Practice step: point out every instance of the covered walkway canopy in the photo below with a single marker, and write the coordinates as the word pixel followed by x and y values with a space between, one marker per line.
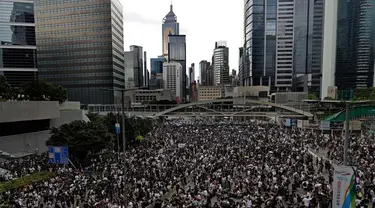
pixel 354 113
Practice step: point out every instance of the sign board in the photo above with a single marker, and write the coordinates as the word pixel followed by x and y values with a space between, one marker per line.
pixel 300 124
pixel 325 125
pixel 332 92
pixel 117 128
pixel 293 122
pixel 355 125
pixel 287 122
pixel 337 125
pixel 58 155
pixel 344 183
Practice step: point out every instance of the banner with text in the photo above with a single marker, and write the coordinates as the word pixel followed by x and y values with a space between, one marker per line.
pixel 344 193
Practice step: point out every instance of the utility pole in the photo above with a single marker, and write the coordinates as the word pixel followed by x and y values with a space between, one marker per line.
pixel 123 141
pixel 346 141
pixel 123 131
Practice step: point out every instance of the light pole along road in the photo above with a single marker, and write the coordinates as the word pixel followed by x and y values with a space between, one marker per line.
pixel 123 128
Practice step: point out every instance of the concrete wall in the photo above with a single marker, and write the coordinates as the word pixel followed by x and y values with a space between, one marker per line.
pixel 25 143
pixel 12 111
pixel 67 116
pixel 70 105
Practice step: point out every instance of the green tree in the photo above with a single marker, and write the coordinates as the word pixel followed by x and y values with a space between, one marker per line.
pixel 5 89
pixel 364 94
pixel 82 138
pixel 312 96
pixel 42 90
pixel 58 93
pixel 134 126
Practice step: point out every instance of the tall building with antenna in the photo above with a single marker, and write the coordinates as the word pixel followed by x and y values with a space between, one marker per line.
pixel 170 27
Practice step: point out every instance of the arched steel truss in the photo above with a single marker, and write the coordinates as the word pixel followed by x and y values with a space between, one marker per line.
pixel 201 104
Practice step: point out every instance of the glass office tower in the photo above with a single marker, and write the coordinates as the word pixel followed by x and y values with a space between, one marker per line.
pixel 18 61
pixel 259 53
pixel 355 44
pixel 170 27
pixel 80 46
pixel 157 65
pixel 177 53
pixel 349 42
pixel 221 63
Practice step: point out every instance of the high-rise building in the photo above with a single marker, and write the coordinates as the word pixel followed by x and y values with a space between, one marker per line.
pixel 133 67
pixel 157 65
pixel 259 52
pixel 18 60
pixel 282 41
pixel 192 73
pixel 221 63
pixel 172 78
pixel 308 36
pixel 170 27
pixel 80 46
pixel 146 75
pixel 203 72
pixel 349 42
pixel 177 53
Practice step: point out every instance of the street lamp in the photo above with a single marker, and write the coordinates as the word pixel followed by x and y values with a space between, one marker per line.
pixel 123 126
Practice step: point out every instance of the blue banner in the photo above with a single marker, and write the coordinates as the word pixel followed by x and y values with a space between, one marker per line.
pixel 58 155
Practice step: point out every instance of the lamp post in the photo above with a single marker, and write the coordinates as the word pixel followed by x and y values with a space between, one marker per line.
pixel 123 128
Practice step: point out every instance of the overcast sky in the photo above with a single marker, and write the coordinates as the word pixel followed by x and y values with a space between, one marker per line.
pixel 202 21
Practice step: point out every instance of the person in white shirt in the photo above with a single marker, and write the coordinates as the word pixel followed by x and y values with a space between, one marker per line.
pixel 306 200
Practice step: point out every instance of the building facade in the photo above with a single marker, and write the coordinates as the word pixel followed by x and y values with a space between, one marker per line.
pixel 221 63
pixel 203 72
pixel 170 27
pixel 134 67
pixel 307 48
pixel 80 46
pixel 209 92
pixel 191 73
pixel 283 40
pixel 157 65
pixel 149 96
pixel 172 78
pixel 18 57
pixel 349 41
pixel 177 53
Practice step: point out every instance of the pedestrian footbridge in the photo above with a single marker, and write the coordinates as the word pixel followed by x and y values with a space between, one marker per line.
pixel 216 108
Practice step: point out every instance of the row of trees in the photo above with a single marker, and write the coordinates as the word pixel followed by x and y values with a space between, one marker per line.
pixel 87 138
pixel 37 90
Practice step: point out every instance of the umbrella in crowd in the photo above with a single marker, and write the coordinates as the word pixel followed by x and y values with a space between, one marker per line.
pixel 203 163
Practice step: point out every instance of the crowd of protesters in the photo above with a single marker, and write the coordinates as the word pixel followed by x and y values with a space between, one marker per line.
pixel 203 163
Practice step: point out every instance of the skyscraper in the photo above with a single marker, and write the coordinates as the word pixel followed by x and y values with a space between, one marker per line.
pixel 308 36
pixel 18 60
pixel 80 46
pixel 221 63
pixel 134 67
pixel 282 40
pixel 203 72
pixel 177 53
pixel 172 78
pixel 259 51
pixel 349 42
pixel 170 27
pixel 192 73
pixel 157 65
